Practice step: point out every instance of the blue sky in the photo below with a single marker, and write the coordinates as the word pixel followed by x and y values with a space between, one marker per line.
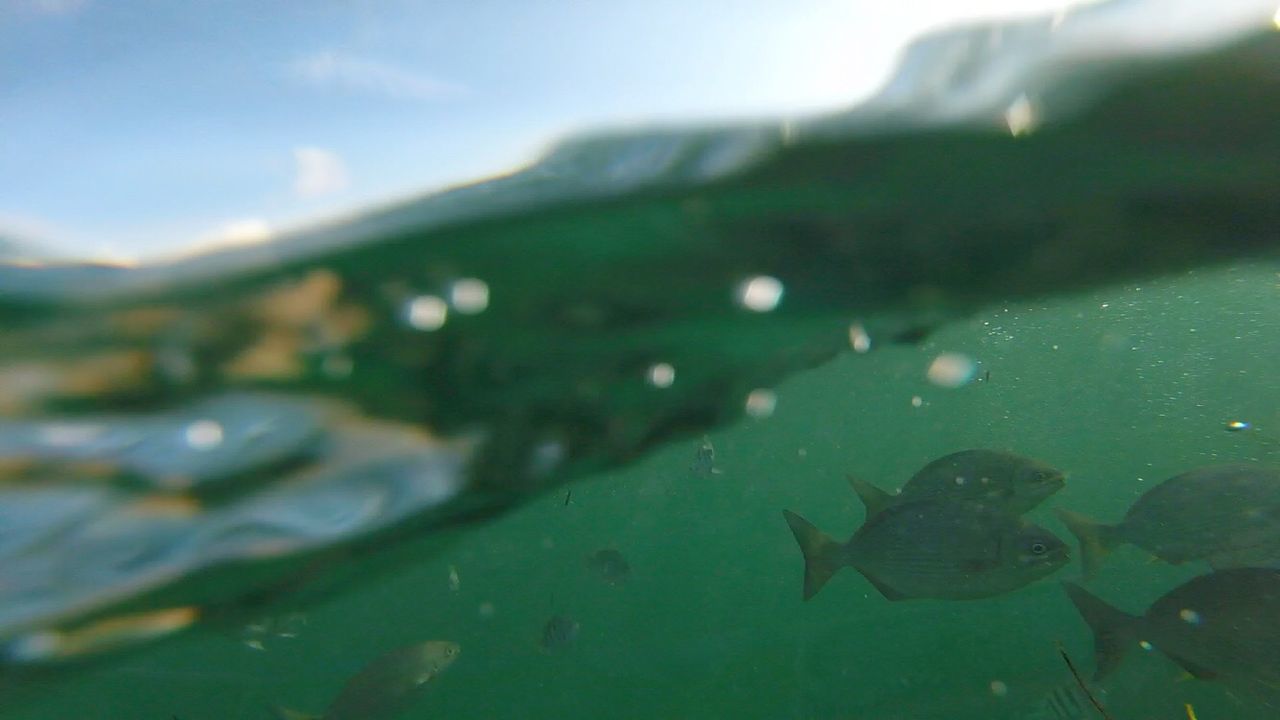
pixel 132 128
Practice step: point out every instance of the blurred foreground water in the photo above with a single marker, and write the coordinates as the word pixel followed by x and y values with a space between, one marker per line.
pixel 290 436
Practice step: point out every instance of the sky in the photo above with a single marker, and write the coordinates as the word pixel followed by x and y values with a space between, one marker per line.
pixel 132 129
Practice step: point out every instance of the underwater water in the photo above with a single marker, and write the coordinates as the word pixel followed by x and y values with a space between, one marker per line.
pixel 425 424
pixel 1121 388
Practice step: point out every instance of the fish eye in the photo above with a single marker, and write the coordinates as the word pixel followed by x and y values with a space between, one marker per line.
pixel 1038 548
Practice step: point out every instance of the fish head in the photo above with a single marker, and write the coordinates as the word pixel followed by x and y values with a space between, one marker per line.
pixel 1036 551
pixel 433 656
pixel 1035 481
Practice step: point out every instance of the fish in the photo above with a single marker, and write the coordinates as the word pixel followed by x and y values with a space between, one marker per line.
pixel 704 459
pixel 1064 702
pixel 610 565
pixel 1217 625
pixel 386 687
pixel 933 549
pixel 1009 481
pixel 1228 515
pixel 559 633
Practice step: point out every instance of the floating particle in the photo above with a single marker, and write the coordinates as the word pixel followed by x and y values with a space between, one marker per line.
pixel 485 610
pixel 917 401
pixel 426 312
pixel 1144 644
pixel 1238 425
pixel 1189 616
pixel 951 370
pixel 469 296
pixel 454 581
pixel 760 293
pixel 999 689
pixel 859 340
pixel 761 403
pixel 661 375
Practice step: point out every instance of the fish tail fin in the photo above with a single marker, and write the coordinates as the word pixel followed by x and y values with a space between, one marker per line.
pixel 1096 540
pixel 822 555
pixel 1114 631
pixel 873 498
pixel 284 713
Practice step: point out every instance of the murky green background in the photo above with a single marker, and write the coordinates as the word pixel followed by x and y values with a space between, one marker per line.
pixel 1122 388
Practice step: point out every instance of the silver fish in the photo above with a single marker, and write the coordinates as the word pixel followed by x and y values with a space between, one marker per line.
pixel 1004 480
pixel 386 687
pixel 559 633
pixel 610 565
pixel 934 549
pixel 1228 515
pixel 1218 625
pixel 704 459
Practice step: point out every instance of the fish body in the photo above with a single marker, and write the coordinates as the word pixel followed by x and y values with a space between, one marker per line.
pixel 1011 482
pixel 934 549
pixel 559 633
pixel 610 565
pixel 386 687
pixel 1222 624
pixel 1228 515
pixel 704 459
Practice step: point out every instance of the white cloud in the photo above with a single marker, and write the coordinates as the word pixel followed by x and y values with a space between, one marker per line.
pixel 346 72
pixel 320 172
pixel 248 231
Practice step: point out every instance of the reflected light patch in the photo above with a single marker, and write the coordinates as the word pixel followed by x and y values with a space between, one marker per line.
pixel 204 434
pixel 760 293
pixel 1020 116
pixel 951 370
pixel 859 340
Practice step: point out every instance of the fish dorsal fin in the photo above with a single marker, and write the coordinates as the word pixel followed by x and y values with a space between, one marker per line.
pixel 873 498
pixel 284 713
pixel 888 592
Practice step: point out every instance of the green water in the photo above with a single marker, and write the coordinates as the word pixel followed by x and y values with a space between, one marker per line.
pixel 1122 387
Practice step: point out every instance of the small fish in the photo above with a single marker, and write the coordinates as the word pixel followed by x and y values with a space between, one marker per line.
pixel 386 687
pixel 704 459
pixel 1006 481
pixel 933 549
pixel 559 633
pixel 610 566
pixel 1216 625
pixel 1228 515
pixel 113 633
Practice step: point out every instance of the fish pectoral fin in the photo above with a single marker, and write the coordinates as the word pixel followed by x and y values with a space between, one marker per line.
pixel 1196 671
pixel 888 592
